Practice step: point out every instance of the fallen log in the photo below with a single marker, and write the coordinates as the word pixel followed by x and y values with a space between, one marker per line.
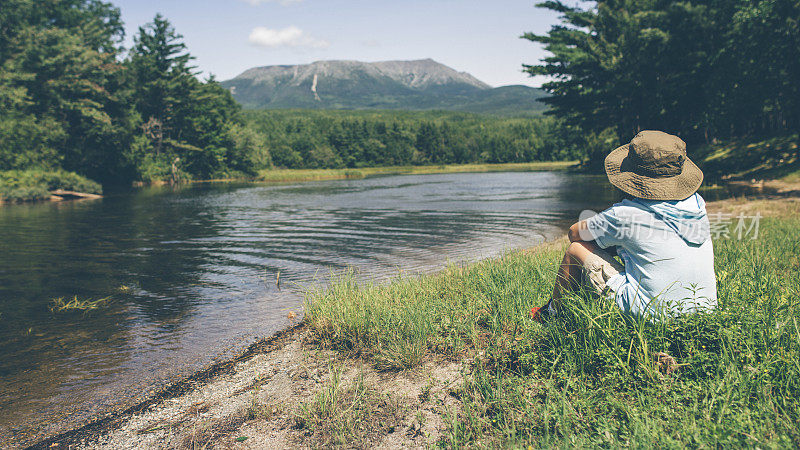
pixel 72 194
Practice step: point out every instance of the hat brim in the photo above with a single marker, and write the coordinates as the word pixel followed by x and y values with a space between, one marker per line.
pixel 620 171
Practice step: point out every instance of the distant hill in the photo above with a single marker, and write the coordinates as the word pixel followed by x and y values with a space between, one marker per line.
pixel 414 85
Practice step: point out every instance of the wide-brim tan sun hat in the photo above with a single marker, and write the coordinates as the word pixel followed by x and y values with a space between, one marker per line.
pixel 654 166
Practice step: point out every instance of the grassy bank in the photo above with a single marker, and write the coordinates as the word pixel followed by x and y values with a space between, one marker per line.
pixel 295 175
pixel 32 185
pixel 593 377
pixel 776 158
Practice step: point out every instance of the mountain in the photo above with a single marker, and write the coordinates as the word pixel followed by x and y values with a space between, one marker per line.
pixel 415 85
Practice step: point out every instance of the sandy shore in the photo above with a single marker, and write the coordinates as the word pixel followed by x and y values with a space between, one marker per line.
pixel 265 397
pixel 254 402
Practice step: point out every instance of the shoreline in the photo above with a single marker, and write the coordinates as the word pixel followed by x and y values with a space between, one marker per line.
pixel 53 185
pixel 93 433
pixel 172 390
pixel 304 175
pixel 56 196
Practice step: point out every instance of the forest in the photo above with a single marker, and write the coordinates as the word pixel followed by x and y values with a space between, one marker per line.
pixel 352 139
pixel 74 101
pixel 706 70
pixel 76 104
pixel 77 107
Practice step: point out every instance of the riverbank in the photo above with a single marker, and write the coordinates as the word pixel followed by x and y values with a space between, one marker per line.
pixel 18 186
pixel 35 185
pixel 770 163
pixel 452 358
pixel 297 175
pixel 302 175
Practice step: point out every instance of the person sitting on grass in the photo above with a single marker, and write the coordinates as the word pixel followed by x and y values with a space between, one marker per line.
pixel 660 232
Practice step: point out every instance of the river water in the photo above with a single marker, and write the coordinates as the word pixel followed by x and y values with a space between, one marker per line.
pixel 192 272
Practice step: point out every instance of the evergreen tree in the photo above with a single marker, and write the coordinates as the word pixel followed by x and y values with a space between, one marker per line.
pixel 160 72
pixel 187 122
pixel 702 69
pixel 62 87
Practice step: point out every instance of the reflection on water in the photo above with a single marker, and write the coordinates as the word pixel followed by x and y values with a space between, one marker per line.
pixel 192 271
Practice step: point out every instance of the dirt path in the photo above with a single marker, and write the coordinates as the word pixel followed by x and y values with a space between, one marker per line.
pixel 293 395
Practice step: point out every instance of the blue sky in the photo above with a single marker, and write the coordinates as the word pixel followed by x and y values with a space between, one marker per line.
pixel 230 36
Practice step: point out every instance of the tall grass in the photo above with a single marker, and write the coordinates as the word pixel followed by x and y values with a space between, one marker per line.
pixel 593 377
pixel 293 175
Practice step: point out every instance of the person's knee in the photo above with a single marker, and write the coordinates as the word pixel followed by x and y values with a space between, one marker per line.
pixel 576 248
pixel 580 251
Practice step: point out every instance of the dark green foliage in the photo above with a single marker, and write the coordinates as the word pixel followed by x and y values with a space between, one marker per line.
pixel 186 123
pixel 60 87
pixel 66 101
pixel 762 159
pixel 702 69
pixel 337 139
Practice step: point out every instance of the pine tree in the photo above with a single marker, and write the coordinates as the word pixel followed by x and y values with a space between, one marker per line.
pixel 161 75
pixel 187 122
pixel 702 69
pixel 63 87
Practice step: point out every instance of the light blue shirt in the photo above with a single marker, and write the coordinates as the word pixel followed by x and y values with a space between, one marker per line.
pixel 667 251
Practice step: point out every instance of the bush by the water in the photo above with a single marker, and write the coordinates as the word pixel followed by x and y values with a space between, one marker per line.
pixel 29 185
pixel 593 377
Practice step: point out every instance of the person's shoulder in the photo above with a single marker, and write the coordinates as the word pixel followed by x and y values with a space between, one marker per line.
pixel 626 207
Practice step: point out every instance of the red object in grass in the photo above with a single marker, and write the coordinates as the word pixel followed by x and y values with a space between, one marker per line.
pixel 535 314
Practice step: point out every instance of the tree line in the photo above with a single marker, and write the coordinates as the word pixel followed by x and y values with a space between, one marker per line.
pixel 73 98
pixel 351 139
pixel 702 69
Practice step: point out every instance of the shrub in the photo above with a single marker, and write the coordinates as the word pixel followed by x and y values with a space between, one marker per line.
pixel 35 184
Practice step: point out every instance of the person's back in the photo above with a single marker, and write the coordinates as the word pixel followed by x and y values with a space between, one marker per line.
pixel 661 233
pixel 667 253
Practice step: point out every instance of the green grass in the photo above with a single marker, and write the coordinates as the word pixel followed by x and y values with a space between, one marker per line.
pixel 31 185
pixel 338 416
pixel 592 377
pixel 62 304
pixel 295 175
pixel 792 177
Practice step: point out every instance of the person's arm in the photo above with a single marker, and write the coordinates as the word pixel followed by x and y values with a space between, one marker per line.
pixel 579 232
pixel 603 229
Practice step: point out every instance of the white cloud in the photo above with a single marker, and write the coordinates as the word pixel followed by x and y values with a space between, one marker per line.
pixel 284 37
pixel 282 2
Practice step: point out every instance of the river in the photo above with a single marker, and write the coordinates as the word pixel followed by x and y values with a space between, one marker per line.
pixel 192 272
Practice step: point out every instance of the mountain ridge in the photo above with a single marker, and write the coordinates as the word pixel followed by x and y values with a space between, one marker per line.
pixel 346 84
